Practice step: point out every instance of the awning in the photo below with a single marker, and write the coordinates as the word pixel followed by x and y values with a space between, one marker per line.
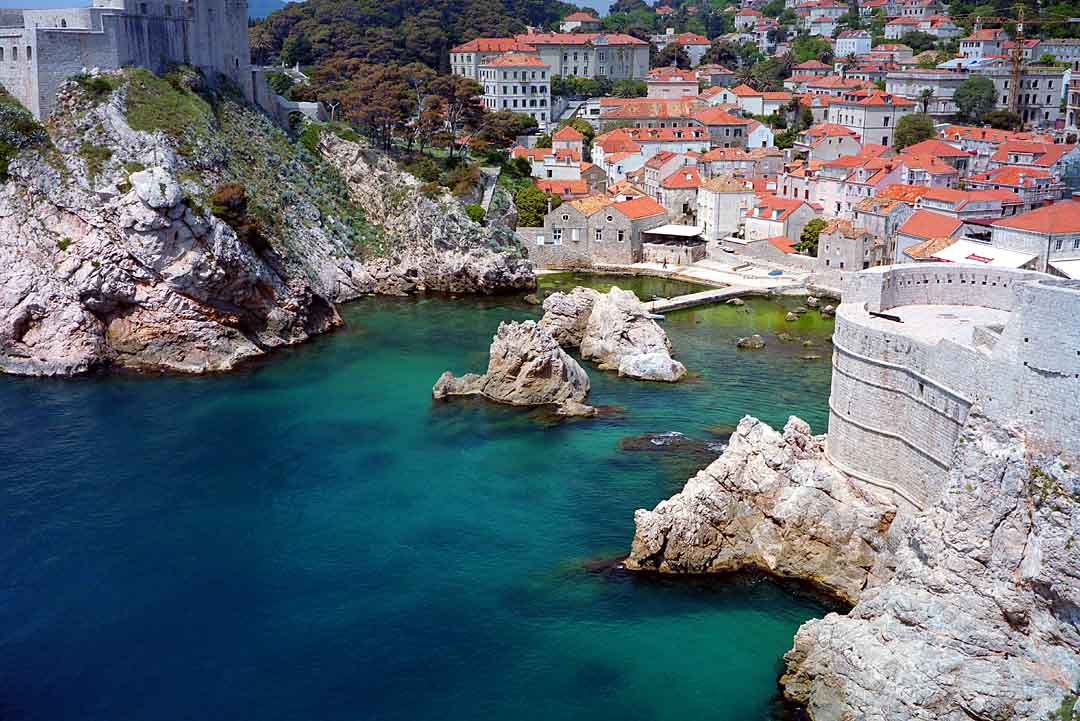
pixel 1068 268
pixel 968 252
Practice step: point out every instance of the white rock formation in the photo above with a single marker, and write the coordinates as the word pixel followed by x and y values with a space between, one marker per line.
pixel 567 314
pixel 619 330
pixel 770 502
pixel 526 367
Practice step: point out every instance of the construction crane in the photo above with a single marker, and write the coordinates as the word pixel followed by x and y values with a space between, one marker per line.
pixel 1016 53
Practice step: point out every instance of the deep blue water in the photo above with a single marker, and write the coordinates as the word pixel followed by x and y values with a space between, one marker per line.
pixel 312 538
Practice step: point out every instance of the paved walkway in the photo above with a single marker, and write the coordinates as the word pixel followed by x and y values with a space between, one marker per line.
pixel 705 297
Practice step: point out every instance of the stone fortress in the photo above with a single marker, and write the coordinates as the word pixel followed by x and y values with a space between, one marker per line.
pixel 39 49
pixel 1007 340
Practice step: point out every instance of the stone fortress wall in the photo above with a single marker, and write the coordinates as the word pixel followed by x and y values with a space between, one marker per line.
pixel 42 48
pixel 901 391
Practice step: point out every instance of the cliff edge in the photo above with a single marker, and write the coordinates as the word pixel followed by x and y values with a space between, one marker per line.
pixel 153 225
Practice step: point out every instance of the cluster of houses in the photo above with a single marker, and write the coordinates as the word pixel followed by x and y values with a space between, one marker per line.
pixel 692 168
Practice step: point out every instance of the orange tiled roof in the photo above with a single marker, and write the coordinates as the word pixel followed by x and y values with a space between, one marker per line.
pixel 563 188
pixel 783 243
pixel 580 17
pixel 642 207
pixel 928 224
pixel 567 133
pixel 682 179
pixel 937 149
pixel 493 45
pixel 1060 217
pixel 578 39
pixel 515 60
pixel 1011 175
pixel 717 116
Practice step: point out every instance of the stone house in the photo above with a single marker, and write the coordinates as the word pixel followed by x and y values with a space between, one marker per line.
pixel 1034 186
pixel 800 180
pixel 982 42
pixel 40 49
pixel 881 217
pixel 773 216
pixel 722 203
pixel 843 182
pixel 1060 160
pixel 550 163
pixel 567 138
pixel 660 166
pixel 595 230
pixel 714 75
pixel 679 194
pixel 746 19
pixel 1051 233
pixel 941 83
pixel 971 205
pixel 927 170
pixel 671 83
pixel 983 143
pixel 843 246
pixel 759 135
pixel 647 112
pixel 827 141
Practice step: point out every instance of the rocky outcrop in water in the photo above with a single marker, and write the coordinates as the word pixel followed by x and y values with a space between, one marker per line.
pixel 567 314
pixel 526 367
pixel 968 610
pixel 771 502
pixel 981 619
pixel 153 227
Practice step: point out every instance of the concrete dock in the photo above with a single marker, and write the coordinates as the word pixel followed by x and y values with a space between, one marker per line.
pixel 705 297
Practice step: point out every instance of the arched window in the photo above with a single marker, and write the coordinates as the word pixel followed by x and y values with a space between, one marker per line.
pixel 63 23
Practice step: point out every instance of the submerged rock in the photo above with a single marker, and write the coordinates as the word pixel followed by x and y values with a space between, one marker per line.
pixel 526 367
pixel 736 302
pixel 567 314
pixel 771 502
pixel 754 342
pixel 790 317
pixel 620 330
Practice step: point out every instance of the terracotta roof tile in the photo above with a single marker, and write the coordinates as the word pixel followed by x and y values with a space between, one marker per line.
pixel 643 207
pixel 927 224
pixel 1060 217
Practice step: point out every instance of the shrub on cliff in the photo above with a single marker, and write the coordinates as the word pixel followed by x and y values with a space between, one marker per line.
pixel 18 130
pixel 229 203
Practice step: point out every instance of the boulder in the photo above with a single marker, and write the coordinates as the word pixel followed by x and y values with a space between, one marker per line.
pixel 791 317
pixel 771 502
pixel 828 310
pixel 567 314
pixel 532 299
pixel 754 342
pixel 736 301
pixel 812 302
pixel 526 367
pixel 619 328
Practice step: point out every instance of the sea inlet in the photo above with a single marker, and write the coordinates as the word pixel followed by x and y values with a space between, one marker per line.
pixel 313 538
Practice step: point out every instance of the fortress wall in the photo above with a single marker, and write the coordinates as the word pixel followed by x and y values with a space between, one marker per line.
pixel 17 74
pixel 898 402
pixel 891 421
pixel 64 53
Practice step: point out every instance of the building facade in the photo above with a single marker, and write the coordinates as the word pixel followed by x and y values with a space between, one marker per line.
pixel 518 82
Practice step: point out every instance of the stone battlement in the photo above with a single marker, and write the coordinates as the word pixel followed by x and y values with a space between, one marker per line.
pixel 1008 340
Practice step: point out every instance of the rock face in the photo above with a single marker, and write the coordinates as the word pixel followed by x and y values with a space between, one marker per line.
pixel 431 242
pixel 567 314
pixel 526 367
pixel 770 502
pixel 968 610
pixel 981 619
pixel 114 252
pixel 619 331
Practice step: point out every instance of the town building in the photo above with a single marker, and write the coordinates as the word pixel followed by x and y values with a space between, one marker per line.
pixel 695 45
pixel 1060 159
pixel 594 230
pixel 827 141
pixel 921 226
pixel 713 75
pixel 43 48
pixel 466 59
pixel 774 216
pixel 982 43
pixel 723 202
pixel 518 82
pixel 648 112
pixel 579 21
pixel 871 115
pixel 881 217
pixel 983 143
pixel 671 83
pixel 850 42
pixel 843 246
pixel 1034 186
pixel 678 193
pixel 725 130
pixel 931 90
pixel 1050 233
pixel 615 56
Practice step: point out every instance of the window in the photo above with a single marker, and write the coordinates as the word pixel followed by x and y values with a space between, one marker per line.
pixel 168 10
pixel 142 8
pixel 63 23
pixel 1058 244
pixel 598 235
pixel 610 218
pixel 14 53
pixel 29 52
pixel 1 54
pixel 556 236
pixel 622 236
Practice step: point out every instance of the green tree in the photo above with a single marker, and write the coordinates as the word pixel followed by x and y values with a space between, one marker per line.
pixel 296 49
pixel 502 128
pixel 630 89
pixel 808 239
pixel 532 205
pixel 811 47
pixel 1002 120
pixel 974 98
pixel 672 54
pixel 918 41
pixel 912 129
pixel 785 139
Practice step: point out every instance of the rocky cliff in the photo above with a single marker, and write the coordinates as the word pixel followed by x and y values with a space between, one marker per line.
pixel 151 225
pixel 969 610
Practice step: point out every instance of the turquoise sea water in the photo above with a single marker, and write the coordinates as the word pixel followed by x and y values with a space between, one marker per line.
pixel 312 538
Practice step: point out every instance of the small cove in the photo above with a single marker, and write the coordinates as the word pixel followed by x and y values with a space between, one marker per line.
pixel 312 537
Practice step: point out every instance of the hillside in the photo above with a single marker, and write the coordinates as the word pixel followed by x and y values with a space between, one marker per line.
pixel 153 225
pixel 382 31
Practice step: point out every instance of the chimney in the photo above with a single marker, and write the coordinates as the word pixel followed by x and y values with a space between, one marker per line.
pixel 549 204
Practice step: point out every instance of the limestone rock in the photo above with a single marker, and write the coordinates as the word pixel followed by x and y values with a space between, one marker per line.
pixel 828 310
pixel 770 502
pixel 620 327
pixel 566 315
pixel 754 342
pixel 791 317
pixel 736 301
pixel 526 367
pixel 979 620
pixel 652 367
pixel 812 302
